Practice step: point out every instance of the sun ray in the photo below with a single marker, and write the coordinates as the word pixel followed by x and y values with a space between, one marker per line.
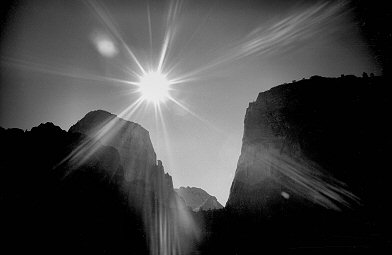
pixel 191 37
pixel 149 28
pixel 277 37
pixel 307 180
pixel 165 46
pixel 166 138
pixel 171 24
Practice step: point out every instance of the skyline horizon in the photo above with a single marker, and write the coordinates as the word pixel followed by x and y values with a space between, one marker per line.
pixel 175 185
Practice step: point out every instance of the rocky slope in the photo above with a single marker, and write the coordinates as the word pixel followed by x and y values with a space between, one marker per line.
pixel 316 142
pixel 198 199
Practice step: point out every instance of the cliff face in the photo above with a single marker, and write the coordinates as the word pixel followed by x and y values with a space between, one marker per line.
pixel 43 199
pixel 146 186
pixel 313 142
pixel 198 199
pixel 130 139
pixel 143 175
pixel 98 186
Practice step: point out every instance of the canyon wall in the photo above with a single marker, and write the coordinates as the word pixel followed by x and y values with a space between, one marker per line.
pixel 318 142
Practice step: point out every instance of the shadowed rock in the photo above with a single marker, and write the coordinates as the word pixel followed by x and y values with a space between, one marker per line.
pixel 96 189
pixel 316 141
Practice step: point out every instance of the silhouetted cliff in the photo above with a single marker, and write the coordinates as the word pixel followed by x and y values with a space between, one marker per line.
pixel 312 175
pixel 318 141
pixel 137 156
pixel 95 189
pixel 60 208
pixel 130 139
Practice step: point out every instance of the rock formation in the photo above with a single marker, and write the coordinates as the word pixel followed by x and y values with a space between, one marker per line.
pixel 130 139
pixel 315 142
pixel 198 199
pixel 147 187
pixel 98 188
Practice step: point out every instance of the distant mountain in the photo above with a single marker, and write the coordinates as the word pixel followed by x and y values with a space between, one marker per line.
pixel 198 199
pixel 210 203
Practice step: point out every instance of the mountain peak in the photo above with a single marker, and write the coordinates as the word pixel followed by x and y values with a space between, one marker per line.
pixel 198 199
pixel 130 139
pixel 99 117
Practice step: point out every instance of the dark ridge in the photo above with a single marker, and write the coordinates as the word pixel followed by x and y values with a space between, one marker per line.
pixel 99 117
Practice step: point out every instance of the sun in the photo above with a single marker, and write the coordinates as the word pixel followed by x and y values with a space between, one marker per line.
pixel 154 87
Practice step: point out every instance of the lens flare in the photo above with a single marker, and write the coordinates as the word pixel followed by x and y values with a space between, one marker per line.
pixel 105 44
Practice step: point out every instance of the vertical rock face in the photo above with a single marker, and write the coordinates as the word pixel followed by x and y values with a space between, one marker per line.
pixel 143 174
pixel 148 189
pixel 312 142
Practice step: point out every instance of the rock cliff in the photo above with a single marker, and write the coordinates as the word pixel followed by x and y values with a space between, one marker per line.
pixel 315 142
pixel 97 186
pixel 130 139
pixel 145 184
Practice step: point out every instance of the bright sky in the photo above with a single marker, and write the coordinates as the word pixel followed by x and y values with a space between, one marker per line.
pixel 62 59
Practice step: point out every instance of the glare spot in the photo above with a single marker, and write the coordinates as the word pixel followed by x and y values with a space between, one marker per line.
pixel 104 44
pixel 285 195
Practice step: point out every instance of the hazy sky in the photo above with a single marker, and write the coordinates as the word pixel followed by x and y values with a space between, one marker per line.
pixel 56 54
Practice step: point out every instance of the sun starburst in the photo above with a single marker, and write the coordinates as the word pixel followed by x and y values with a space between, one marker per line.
pixel 154 87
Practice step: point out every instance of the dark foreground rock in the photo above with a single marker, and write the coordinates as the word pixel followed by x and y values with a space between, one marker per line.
pixel 313 171
pixel 97 189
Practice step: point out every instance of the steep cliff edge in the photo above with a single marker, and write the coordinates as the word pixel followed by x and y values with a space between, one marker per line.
pixel 319 141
